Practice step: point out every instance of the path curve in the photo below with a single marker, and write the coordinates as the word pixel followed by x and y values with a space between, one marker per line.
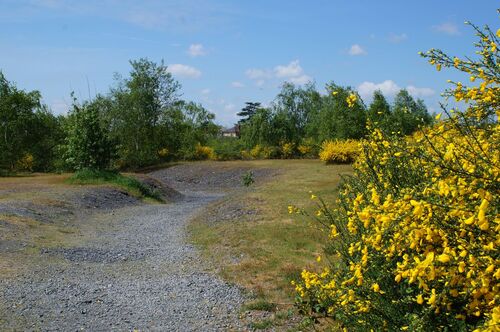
pixel 134 270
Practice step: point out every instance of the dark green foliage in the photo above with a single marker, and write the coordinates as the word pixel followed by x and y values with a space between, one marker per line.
pixel 408 114
pixel 248 111
pixel 87 144
pixel 227 148
pixel 132 185
pixel 141 104
pixel 300 113
pixel 26 128
pixel 379 112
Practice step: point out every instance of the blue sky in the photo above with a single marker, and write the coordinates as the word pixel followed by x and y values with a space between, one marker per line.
pixel 228 52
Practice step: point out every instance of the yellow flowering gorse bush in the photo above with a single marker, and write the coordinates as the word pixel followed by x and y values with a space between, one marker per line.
pixel 415 234
pixel 203 152
pixel 339 151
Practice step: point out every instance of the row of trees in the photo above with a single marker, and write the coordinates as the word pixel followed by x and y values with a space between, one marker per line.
pixel 300 113
pixel 141 121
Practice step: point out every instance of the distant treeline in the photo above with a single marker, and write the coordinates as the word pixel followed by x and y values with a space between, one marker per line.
pixel 143 121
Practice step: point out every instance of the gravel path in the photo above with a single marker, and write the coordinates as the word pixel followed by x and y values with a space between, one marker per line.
pixel 133 270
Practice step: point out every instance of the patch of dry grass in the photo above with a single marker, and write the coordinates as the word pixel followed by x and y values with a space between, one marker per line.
pixel 264 252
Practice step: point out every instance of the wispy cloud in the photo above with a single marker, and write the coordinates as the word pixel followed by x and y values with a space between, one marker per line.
pixel 196 50
pixel 397 38
pixel 447 28
pixel 293 69
pixel 237 84
pixel 191 15
pixel 183 70
pixel 356 49
pixel 255 73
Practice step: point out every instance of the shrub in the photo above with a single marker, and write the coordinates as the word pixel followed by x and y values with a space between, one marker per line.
pixel 287 149
pixel 132 185
pixel 255 152
pixel 227 148
pixel 307 148
pixel 204 152
pixel 163 153
pixel 26 162
pixel 339 151
pixel 248 179
pixel 261 152
pixel 413 241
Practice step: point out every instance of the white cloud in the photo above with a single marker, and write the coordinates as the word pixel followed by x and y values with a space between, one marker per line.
pixel 356 49
pixel 196 50
pixel 293 69
pixel 183 70
pixel 389 88
pixel 255 74
pixel 205 91
pixel 237 84
pixel 299 80
pixel 395 38
pixel 420 92
pixel 291 72
pixel 447 28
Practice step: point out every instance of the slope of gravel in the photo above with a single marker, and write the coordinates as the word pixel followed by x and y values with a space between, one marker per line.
pixel 133 270
pixel 211 177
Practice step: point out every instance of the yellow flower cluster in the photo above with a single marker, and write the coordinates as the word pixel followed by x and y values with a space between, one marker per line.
pixel 351 100
pixel 339 151
pixel 202 152
pixel 287 149
pixel 416 235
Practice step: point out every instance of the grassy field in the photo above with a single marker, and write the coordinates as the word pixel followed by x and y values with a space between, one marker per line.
pixel 264 251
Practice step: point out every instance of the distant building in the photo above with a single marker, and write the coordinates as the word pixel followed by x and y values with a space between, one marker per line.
pixel 231 132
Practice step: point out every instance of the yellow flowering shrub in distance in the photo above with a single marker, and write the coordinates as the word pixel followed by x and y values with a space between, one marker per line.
pixel 202 152
pixel 338 152
pixel 307 148
pixel 26 162
pixel 163 153
pixel 287 149
pixel 415 235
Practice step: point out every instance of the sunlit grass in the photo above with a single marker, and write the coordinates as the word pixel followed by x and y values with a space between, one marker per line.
pixel 265 253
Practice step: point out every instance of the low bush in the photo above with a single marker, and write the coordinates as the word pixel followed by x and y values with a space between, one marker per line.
pixel 287 150
pixel 202 152
pixel 339 152
pixel 130 184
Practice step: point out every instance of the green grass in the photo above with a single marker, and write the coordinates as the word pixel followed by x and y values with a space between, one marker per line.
pixel 128 183
pixel 261 305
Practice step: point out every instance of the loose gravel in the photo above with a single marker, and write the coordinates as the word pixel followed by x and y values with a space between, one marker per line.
pixel 133 270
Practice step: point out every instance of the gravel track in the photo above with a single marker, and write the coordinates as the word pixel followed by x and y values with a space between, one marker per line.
pixel 133 270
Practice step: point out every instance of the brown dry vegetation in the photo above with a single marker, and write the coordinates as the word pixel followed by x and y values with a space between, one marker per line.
pixel 260 246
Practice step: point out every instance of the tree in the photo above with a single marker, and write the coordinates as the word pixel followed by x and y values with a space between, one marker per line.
pixel 141 103
pixel 408 114
pixel 248 111
pixel 17 115
pixel 87 143
pixel 296 105
pixel 335 120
